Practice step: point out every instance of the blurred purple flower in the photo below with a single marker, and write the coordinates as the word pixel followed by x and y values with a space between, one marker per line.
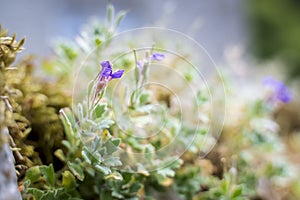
pixel 158 56
pixel 280 91
pixel 154 56
pixel 140 63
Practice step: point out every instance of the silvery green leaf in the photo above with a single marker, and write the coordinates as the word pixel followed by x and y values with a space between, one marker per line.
pixel 97 157
pixel 146 108
pixel 117 194
pixel 69 123
pixel 105 124
pixel 76 170
pixel 110 14
pixel 105 170
pixel 90 170
pixel 114 175
pixel 67 144
pixel 96 142
pixel 119 18
pixel 110 147
pixel 86 155
pixel 112 161
pixel 80 112
pixel 99 110
pixel 116 141
pixel 166 172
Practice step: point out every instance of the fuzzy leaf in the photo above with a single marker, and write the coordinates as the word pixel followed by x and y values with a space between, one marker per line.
pixel 99 110
pixel 68 121
pixel 105 170
pixel 114 175
pixel 116 141
pixel 117 195
pixel 86 155
pixel 110 147
pixel 110 13
pixel 33 174
pixel 105 124
pixel 166 172
pixel 119 18
pixel 67 144
pixel 48 173
pixel 76 170
pixel 96 143
pixel 112 161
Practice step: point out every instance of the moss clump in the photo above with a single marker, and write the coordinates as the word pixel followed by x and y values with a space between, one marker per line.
pixel 31 108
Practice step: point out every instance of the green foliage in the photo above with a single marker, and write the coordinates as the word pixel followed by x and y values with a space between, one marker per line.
pixel 89 151
pixel 188 181
pixel 275 31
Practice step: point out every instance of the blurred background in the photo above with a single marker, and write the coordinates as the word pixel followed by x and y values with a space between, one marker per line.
pixel 214 24
pixel 267 29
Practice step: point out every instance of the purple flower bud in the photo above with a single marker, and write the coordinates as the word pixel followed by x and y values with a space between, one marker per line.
pixel 280 91
pixel 158 56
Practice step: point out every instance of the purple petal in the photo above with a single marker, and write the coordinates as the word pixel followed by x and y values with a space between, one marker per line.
pixel 284 94
pixel 106 69
pixel 117 74
pixel 271 82
pixel 158 56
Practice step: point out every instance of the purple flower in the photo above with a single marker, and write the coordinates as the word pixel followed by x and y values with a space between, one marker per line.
pixel 158 56
pixel 104 77
pixel 107 73
pixel 280 91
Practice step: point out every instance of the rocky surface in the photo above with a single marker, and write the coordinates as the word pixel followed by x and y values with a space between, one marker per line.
pixel 8 179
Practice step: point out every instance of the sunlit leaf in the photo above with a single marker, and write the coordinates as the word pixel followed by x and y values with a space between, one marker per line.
pixel 68 180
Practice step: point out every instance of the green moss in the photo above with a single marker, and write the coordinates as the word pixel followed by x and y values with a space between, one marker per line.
pixel 29 108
